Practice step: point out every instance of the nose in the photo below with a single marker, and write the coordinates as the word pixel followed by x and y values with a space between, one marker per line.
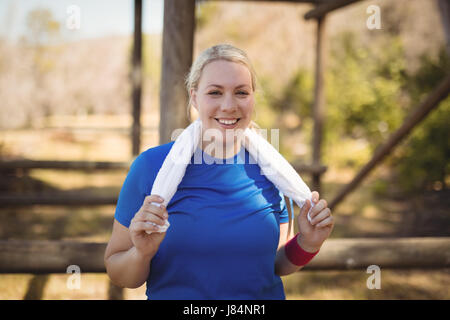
pixel 228 104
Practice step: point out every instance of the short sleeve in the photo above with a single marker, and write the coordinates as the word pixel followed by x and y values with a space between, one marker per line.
pixel 133 192
pixel 284 213
pixel 139 182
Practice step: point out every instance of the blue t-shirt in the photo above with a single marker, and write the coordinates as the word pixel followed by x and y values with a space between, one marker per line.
pixel 224 228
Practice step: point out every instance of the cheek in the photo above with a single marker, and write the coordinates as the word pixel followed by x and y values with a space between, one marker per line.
pixel 247 108
pixel 205 108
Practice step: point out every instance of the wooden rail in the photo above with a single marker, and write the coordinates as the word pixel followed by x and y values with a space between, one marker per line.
pixel 56 198
pixel 41 257
pixel 64 165
pixel 322 9
pixel 276 1
pixel 99 165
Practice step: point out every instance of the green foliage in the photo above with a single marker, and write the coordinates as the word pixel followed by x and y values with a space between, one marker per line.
pixel 42 27
pixel 363 91
pixel 369 93
pixel 424 160
pixel 297 95
pixel 204 13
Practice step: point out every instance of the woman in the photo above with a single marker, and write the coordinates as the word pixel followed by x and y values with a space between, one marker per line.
pixel 228 236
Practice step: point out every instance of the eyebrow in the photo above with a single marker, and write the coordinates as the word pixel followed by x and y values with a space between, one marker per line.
pixel 219 86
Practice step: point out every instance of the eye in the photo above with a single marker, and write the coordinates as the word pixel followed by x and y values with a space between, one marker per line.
pixel 214 92
pixel 242 93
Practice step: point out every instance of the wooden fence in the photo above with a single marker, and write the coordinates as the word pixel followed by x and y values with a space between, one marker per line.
pixel 44 257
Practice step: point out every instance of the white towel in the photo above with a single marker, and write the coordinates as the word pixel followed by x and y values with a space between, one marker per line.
pixel 272 164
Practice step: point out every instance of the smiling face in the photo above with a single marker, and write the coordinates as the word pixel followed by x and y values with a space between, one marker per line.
pixel 224 99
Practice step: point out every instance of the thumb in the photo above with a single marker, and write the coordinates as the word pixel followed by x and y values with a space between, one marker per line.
pixel 305 209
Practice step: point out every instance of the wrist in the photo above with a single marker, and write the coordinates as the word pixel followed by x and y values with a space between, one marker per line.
pixel 296 254
pixel 305 246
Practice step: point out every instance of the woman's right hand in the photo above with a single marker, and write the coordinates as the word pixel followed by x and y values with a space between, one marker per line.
pixel 148 244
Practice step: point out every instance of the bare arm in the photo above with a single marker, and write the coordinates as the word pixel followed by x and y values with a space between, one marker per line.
pixel 283 266
pixel 125 266
pixel 312 234
pixel 130 250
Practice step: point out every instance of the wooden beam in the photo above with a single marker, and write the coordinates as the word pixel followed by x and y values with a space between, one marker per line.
pixel 387 253
pixel 415 117
pixel 136 78
pixel 63 165
pixel 37 256
pixel 42 257
pixel 309 168
pixel 319 99
pixel 322 9
pixel 90 166
pixel 274 1
pixel 57 199
pixel 177 51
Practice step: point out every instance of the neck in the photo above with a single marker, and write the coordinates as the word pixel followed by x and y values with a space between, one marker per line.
pixel 221 150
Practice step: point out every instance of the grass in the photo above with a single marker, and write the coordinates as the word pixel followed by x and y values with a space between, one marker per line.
pixel 395 284
pixel 375 209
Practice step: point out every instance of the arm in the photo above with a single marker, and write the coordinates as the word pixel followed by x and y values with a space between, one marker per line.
pixel 130 250
pixel 125 266
pixel 282 265
pixel 312 234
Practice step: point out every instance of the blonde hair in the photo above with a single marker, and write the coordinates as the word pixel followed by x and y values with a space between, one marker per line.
pixel 218 52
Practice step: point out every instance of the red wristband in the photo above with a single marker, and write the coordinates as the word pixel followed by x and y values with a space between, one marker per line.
pixel 296 254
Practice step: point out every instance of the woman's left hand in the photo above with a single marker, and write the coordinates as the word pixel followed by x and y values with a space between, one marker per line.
pixel 314 233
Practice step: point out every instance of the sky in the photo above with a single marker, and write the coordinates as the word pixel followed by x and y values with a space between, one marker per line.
pixel 98 18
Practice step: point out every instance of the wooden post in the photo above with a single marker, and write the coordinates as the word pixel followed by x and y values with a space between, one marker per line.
pixel 319 100
pixel 115 292
pixel 136 78
pixel 444 9
pixel 420 113
pixel 36 287
pixel 177 51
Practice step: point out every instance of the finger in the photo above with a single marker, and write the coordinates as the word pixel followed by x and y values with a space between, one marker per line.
pixel 322 204
pixel 326 222
pixel 325 213
pixel 304 210
pixel 153 198
pixel 139 226
pixel 159 211
pixel 148 216
pixel 315 196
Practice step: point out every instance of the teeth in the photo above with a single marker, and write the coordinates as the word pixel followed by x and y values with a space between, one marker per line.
pixel 227 121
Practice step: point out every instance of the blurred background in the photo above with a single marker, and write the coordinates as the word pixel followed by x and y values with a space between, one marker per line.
pixel 65 94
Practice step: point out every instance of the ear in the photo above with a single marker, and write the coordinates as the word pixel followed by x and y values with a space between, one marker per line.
pixel 194 98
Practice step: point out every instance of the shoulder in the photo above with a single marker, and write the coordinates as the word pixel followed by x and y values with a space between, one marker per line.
pixel 145 167
pixel 152 157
